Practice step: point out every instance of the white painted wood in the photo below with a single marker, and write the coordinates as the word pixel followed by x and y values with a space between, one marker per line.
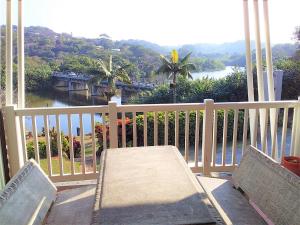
pixel 295 142
pixel 249 65
pixel 255 105
pixel 166 128
pixel 177 129
pixel 83 169
pixel 197 124
pixel 254 137
pixel 13 139
pixel 134 129
pixel 35 140
pixel 123 131
pixel 75 177
pixel 264 128
pixel 48 148
pixel 224 144
pixel 234 136
pixel 94 143
pixel 59 146
pixel 271 90
pixel 274 129
pixel 215 138
pixel 71 143
pixel 21 57
pixel 187 136
pixel 61 110
pixel 160 107
pixel 113 128
pixel 207 136
pixel 155 128
pixel 145 129
pixel 260 80
pixel 284 130
pixel 23 137
pixel 9 55
pixel 245 131
pixel 104 133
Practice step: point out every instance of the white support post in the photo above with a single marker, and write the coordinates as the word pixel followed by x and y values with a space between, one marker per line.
pixel 13 139
pixel 113 127
pixel 21 78
pixel 271 90
pixel 207 135
pixel 252 113
pixel 260 80
pixel 9 53
pixel 295 142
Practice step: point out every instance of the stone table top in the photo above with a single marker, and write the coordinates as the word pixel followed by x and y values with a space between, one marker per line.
pixel 149 185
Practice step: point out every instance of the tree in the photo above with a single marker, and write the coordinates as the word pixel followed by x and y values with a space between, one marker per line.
pixel 111 75
pixel 175 67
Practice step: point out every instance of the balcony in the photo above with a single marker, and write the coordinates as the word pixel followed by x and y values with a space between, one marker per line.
pixel 212 138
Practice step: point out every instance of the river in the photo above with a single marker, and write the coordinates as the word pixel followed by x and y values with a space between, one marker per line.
pixel 65 99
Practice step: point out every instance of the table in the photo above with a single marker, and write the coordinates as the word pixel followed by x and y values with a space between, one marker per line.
pixel 149 185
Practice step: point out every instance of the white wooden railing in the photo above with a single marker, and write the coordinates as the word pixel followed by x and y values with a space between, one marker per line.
pixel 211 149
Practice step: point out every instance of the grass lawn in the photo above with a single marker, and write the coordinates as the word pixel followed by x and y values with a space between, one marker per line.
pixel 55 165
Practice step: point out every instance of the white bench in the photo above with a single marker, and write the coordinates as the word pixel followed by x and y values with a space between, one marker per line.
pixel 274 189
pixel 27 197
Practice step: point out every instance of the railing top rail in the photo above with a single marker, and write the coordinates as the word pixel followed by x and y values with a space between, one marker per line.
pixel 160 107
pixel 256 105
pixel 155 107
pixel 61 110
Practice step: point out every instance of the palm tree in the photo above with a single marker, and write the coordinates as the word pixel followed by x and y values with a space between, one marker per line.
pixel 111 75
pixel 175 67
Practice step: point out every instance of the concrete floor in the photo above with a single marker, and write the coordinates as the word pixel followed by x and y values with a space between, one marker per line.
pixel 73 206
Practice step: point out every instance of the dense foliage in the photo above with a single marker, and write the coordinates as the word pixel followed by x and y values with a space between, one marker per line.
pixel 47 52
pixel 230 88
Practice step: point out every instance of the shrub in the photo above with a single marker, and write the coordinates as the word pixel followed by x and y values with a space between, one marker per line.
pixel 171 127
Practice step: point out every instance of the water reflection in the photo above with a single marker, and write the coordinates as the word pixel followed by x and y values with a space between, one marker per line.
pixel 65 99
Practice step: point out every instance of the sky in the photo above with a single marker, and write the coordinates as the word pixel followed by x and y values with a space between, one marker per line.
pixel 166 22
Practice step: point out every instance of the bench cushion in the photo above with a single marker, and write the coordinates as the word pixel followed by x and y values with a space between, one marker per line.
pixel 230 203
pixel 274 189
pixel 27 197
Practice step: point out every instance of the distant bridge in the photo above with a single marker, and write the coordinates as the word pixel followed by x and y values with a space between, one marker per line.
pixel 76 82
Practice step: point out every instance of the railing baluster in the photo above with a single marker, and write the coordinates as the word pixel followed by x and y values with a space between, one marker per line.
pixel 284 130
pixel 166 128
pixel 48 149
pixel 274 145
pixel 245 130
pixel 224 144
pixel 187 136
pixel 234 136
pixel 197 124
pixel 155 128
pixel 93 142
pixel 35 139
pixel 177 129
pixel 215 138
pixel 71 143
pixel 59 146
pixel 123 131
pixel 255 130
pixel 145 129
pixel 23 137
pixel 82 144
pixel 104 130
pixel 264 140
pixel 134 129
